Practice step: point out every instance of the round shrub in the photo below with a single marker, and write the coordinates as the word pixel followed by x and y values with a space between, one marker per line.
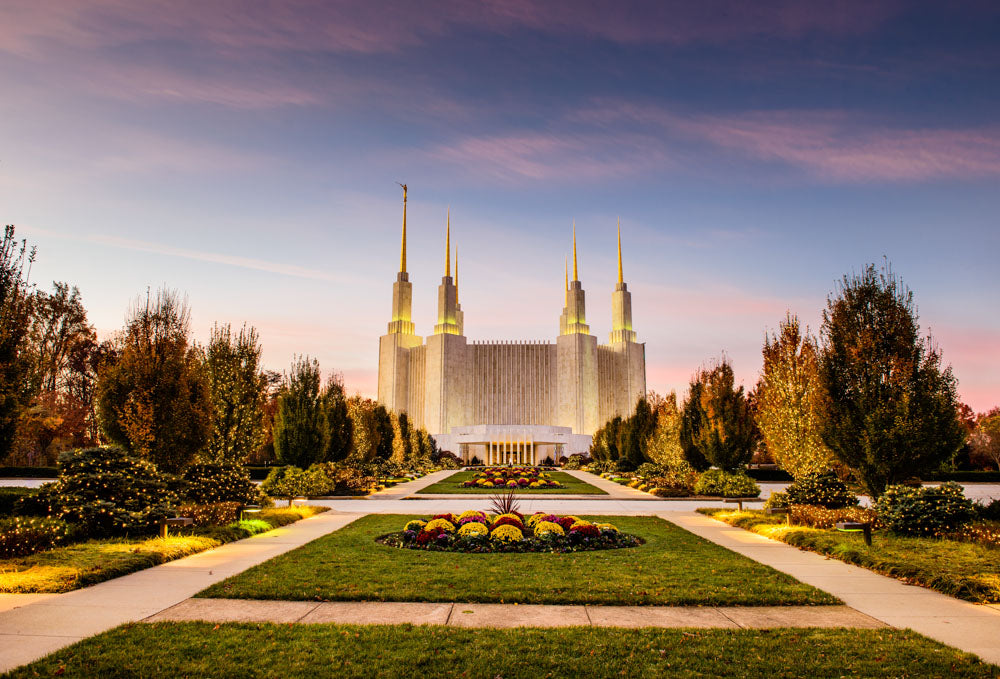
pixel 506 533
pixel 440 525
pixel 777 500
pixel 107 492
pixel 473 529
pixel 415 525
pixel 724 484
pixel 821 490
pixel 22 535
pixel 226 482
pixel 544 527
pixel 669 492
pixel 925 511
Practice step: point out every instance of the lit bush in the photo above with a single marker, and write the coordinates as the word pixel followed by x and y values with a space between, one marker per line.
pixel 815 516
pixel 824 490
pixel 925 511
pixel 777 500
pixel 21 536
pixel 724 484
pixel 106 492
pixel 212 513
pixel 210 483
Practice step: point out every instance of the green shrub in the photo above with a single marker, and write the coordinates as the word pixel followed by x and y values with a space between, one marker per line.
pixel 718 482
pixel 989 512
pixel 777 500
pixel 212 513
pixel 330 478
pixel 21 535
pixel 10 496
pixel 286 482
pixel 651 469
pixel 682 482
pixel 576 461
pixel 106 492
pixel 824 490
pixel 926 511
pixel 816 516
pixel 226 482
pixel 669 492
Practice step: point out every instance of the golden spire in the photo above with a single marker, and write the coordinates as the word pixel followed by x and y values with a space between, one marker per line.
pixel 567 274
pixel 576 276
pixel 447 246
pixel 456 275
pixel 402 250
pixel 620 277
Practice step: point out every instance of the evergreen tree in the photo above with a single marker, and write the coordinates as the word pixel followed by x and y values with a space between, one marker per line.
pixel 636 431
pixel 402 446
pixel 153 396
pixel 717 423
pixel 383 423
pixel 237 387
pixel 338 421
pixel 791 402
pixel 300 432
pixel 893 407
pixel 15 311
pixel 364 429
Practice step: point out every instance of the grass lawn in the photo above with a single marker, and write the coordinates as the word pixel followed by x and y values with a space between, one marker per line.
pixel 86 563
pixel 453 484
pixel 266 650
pixel 674 567
pixel 960 569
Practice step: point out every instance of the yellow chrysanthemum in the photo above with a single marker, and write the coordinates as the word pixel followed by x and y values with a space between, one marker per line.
pixel 443 524
pixel 579 523
pixel 487 485
pixel 544 527
pixel 533 484
pixel 468 513
pixel 607 526
pixel 415 524
pixel 507 533
pixel 473 528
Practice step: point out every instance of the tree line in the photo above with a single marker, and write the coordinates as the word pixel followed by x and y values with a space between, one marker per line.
pixel 870 396
pixel 163 397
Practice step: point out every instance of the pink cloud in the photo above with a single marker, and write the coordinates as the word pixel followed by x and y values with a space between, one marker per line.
pixel 27 27
pixel 833 145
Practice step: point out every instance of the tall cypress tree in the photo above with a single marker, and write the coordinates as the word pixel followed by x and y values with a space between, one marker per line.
pixel 237 386
pixel 340 431
pixel 717 425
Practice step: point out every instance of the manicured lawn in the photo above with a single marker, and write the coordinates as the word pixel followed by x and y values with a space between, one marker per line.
pixel 960 569
pixel 86 563
pixel 571 486
pixel 268 650
pixel 674 567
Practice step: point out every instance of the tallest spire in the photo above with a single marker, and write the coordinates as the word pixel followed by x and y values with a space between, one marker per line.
pixel 447 246
pixel 402 250
pixel 621 278
pixel 576 276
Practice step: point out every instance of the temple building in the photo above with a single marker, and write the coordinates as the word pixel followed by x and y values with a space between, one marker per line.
pixel 501 401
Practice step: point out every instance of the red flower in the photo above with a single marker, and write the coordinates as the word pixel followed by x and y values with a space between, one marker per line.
pixel 590 531
pixel 565 522
pixel 507 521
pixel 427 535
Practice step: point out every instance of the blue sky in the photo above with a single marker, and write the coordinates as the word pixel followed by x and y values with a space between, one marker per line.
pixel 247 153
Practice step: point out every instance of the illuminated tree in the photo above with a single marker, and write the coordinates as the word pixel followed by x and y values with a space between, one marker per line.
pixel 985 440
pixel 300 432
pixel 15 308
pixel 401 439
pixel 791 402
pixel 365 430
pixel 717 425
pixel 236 384
pixel 893 408
pixel 664 444
pixel 153 396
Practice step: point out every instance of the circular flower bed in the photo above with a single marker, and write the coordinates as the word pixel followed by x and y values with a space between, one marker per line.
pixel 512 477
pixel 478 532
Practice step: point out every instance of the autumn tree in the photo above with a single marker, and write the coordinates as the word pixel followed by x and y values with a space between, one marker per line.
pixel 893 407
pixel 716 423
pixel 365 430
pixel 300 432
pixel 791 402
pixel 338 421
pixel 15 308
pixel 985 439
pixel 402 441
pixel 153 397
pixel 236 384
pixel 664 444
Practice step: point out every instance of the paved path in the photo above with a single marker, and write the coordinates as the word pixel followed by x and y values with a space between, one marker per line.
pixel 967 626
pixel 33 625
pixel 511 615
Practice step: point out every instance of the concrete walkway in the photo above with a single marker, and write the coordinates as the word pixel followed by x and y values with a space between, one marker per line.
pixel 34 625
pixel 511 615
pixel 967 626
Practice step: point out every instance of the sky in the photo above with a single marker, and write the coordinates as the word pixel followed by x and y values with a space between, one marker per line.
pixel 246 154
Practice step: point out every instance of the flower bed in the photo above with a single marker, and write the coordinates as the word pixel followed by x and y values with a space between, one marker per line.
pixel 512 477
pixel 479 532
